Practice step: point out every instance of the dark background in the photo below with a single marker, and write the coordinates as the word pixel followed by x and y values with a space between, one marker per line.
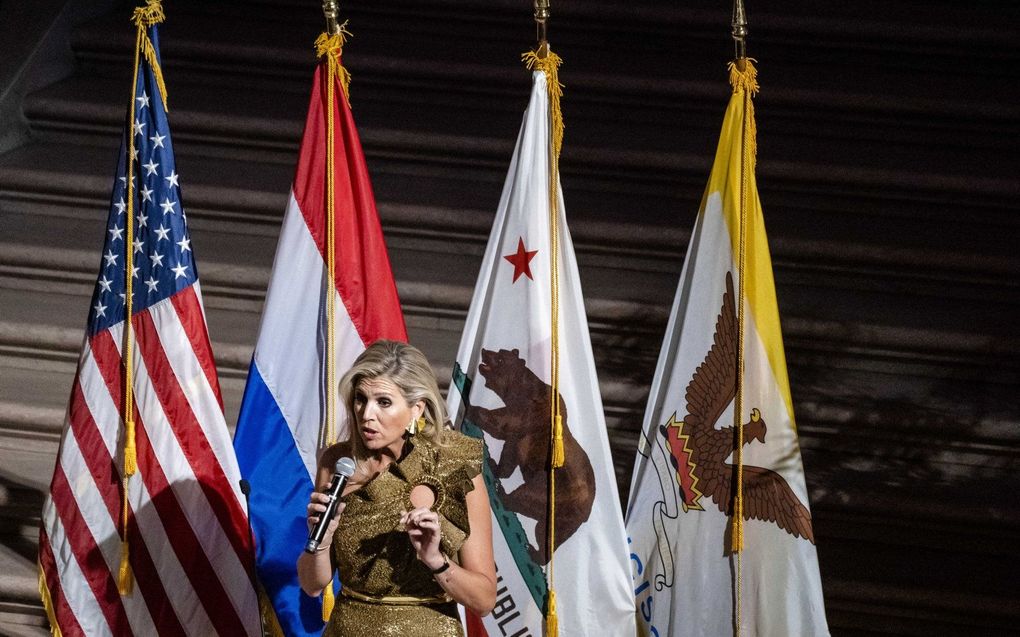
pixel 887 162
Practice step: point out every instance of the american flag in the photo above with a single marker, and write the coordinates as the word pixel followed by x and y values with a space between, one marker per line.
pixel 187 533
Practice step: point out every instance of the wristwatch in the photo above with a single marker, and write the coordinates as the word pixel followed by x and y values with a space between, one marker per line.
pixel 443 568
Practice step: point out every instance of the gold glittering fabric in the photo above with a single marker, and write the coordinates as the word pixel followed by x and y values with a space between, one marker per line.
pixel 373 554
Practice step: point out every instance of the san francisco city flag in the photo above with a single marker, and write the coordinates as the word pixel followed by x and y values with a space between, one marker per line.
pixel 689 579
pixel 280 429
pixel 501 392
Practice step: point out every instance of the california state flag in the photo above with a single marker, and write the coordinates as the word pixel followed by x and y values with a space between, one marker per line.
pixel 688 579
pixel 501 392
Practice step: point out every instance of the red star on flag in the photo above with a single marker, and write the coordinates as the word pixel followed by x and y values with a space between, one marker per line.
pixel 521 259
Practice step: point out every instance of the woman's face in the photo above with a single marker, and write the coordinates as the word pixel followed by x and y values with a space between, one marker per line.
pixel 383 414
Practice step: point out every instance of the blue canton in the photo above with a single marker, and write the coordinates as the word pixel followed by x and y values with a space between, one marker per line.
pixel 163 261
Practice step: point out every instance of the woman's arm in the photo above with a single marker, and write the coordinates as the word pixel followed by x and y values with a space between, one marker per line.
pixel 473 582
pixel 316 571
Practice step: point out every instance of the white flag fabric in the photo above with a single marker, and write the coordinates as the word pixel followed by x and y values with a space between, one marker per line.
pixel 501 392
pixel 685 575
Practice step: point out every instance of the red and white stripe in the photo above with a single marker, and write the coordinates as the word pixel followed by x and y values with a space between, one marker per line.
pixel 187 532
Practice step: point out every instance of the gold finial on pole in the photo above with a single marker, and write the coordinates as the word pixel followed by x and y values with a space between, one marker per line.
pixel 541 20
pixel 739 25
pixel 331 9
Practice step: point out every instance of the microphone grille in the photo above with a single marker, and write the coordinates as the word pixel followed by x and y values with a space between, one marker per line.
pixel 345 467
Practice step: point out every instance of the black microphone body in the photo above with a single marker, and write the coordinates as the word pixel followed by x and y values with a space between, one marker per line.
pixel 246 490
pixel 344 469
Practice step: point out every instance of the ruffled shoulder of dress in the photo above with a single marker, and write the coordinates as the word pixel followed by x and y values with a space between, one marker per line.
pixel 464 453
pixel 459 462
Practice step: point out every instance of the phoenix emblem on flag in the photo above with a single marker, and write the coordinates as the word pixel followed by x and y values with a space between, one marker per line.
pixel 524 423
pixel 698 450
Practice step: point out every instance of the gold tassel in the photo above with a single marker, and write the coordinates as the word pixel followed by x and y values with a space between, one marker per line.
pixel 125 578
pixel 552 622
pixel 144 17
pixel 328 601
pixel 130 452
pixel 557 451
pixel 333 45
pixel 737 530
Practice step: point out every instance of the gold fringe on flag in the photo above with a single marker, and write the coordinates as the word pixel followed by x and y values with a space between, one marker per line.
pixel 332 46
pixel 743 79
pixel 550 64
pixel 143 18
pixel 150 14
pixel 47 600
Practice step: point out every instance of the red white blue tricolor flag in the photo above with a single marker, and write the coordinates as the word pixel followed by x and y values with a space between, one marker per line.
pixel 279 430
pixel 501 392
pixel 187 532
pixel 680 517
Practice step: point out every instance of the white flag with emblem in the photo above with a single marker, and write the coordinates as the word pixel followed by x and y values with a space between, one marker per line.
pixel 688 579
pixel 502 392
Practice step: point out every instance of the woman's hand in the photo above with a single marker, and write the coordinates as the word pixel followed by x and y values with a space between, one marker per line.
pixel 423 530
pixel 316 507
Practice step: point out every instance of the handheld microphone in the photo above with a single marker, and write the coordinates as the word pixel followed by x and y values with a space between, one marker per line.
pixel 344 469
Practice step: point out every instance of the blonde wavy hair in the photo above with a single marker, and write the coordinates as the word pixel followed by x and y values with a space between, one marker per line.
pixel 406 367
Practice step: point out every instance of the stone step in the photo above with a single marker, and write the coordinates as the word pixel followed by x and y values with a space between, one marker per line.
pixel 843 476
pixel 604 146
pixel 832 366
pixel 224 205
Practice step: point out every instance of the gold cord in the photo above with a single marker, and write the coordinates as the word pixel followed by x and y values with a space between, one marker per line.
pixel 743 79
pixel 330 47
pixel 143 18
pixel 549 64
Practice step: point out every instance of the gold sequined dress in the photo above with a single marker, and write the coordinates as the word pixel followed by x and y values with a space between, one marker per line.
pixel 386 590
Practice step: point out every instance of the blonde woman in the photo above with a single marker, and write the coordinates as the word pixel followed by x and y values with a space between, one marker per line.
pixel 413 533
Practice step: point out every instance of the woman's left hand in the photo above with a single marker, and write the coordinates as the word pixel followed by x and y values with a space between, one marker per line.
pixel 423 530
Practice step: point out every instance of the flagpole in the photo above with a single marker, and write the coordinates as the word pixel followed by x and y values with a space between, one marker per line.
pixel 541 23
pixel 548 62
pixel 329 45
pixel 739 33
pixel 739 25
pixel 331 9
